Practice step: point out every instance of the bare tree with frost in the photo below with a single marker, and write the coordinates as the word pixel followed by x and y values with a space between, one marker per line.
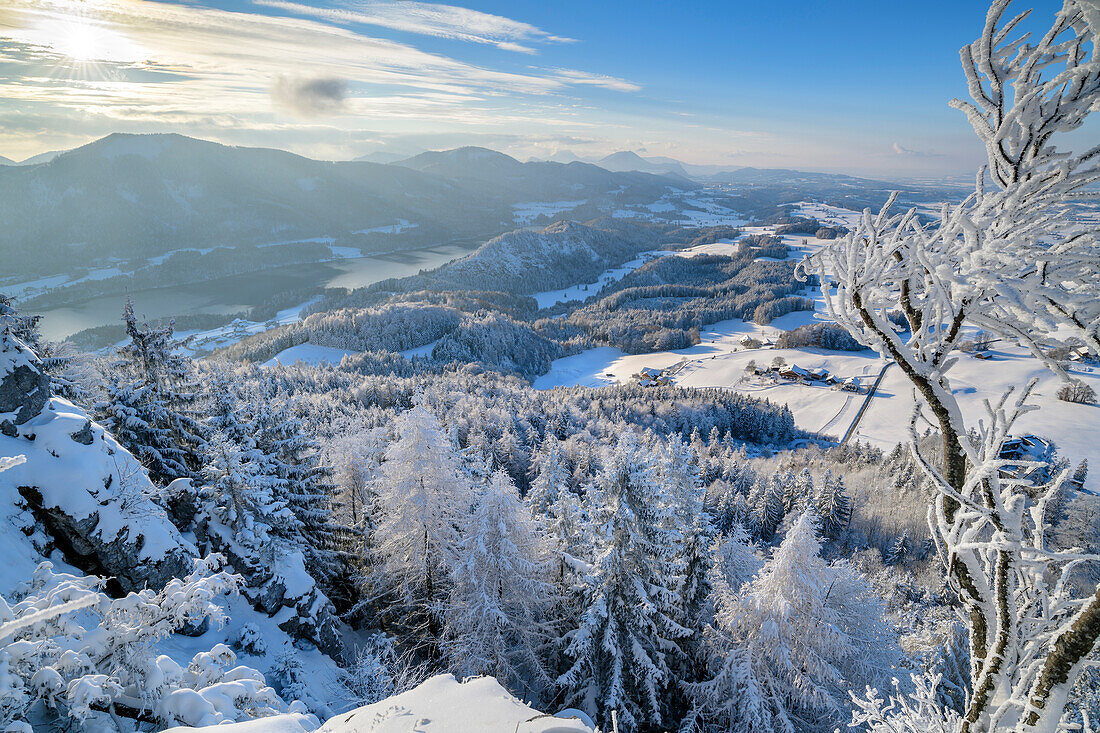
pixel 1011 260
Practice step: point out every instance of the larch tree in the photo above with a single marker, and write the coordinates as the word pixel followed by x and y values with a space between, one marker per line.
pixel 550 476
pixel 423 500
pixel 496 613
pixel 788 642
pixel 1009 259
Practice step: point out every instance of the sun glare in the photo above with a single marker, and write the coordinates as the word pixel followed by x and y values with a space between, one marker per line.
pixel 78 41
pixel 85 40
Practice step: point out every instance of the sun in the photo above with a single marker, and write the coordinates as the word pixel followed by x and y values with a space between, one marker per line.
pixel 79 40
pixel 86 40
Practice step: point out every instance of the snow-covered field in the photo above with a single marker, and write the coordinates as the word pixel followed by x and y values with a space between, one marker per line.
pixel 695 208
pixel 528 211
pixel 719 360
pixel 308 353
pixel 396 228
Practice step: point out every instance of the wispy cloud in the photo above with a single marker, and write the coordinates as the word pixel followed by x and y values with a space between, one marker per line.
pixel 431 19
pixel 596 80
pixel 910 153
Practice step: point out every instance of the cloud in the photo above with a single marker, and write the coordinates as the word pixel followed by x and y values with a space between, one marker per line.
pixel 900 150
pixel 310 97
pixel 430 19
pixel 597 80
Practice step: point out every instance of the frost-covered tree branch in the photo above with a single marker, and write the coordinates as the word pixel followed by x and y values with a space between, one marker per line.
pixel 1009 259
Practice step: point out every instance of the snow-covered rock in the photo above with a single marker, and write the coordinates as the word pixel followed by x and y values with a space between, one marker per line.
pixel 441 704
pixel 24 387
pixel 93 498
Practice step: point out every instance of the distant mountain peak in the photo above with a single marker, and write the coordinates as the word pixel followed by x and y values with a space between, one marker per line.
pixel 628 160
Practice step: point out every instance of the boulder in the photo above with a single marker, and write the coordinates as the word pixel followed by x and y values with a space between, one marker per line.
pixel 24 387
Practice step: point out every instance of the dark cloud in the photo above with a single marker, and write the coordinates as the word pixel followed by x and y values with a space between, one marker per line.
pixel 310 97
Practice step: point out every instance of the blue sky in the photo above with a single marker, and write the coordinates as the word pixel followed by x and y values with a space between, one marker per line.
pixel 850 86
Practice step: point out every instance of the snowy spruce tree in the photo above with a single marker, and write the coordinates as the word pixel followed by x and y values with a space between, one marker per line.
pixel 150 403
pixel 627 642
pixel 832 506
pixel 500 593
pixel 304 483
pixel 240 510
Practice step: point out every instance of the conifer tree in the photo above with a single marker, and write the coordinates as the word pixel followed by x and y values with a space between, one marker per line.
pixel 240 508
pixel 832 506
pixel 495 618
pixel 792 641
pixel 151 402
pixel 628 636
pixel 551 476
pixel 293 456
pixel 424 498
pixel 899 549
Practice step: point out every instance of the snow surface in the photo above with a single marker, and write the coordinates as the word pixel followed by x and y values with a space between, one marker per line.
pixel 444 705
pixel 289 723
pixel 308 353
pixel 528 211
pixel 425 350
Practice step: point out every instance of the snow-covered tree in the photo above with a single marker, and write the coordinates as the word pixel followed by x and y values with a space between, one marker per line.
pixel 678 474
pixel 628 636
pixel 292 456
pixel 150 403
pixel 76 653
pixel 899 549
pixel 734 562
pixel 495 616
pixel 832 506
pixel 551 476
pixel 789 643
pixel 239 503
pixel 1011 260
pixel 766 514
pixel 424 498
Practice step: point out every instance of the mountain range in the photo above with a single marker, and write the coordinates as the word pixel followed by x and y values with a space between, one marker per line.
pixel 131 197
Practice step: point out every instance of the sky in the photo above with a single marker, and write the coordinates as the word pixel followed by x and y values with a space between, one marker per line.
pixel 855 86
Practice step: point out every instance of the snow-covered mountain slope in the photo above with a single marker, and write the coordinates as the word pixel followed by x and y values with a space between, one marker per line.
pixel 80 520
pixel 441 704
pixel 558 255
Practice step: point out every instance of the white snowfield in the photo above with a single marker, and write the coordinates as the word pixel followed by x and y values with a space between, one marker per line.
pixel 719 360
pixel 308 353
pixel 441 704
